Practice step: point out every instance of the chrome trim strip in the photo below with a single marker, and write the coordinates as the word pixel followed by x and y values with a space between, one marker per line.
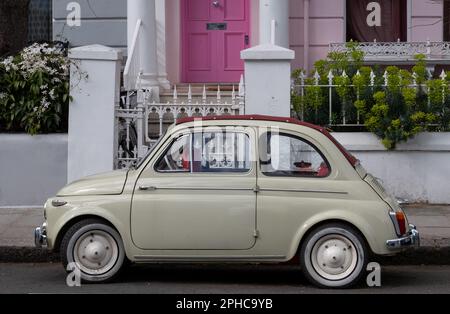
pixel 207 258
pixel 202 188
pixel 304 191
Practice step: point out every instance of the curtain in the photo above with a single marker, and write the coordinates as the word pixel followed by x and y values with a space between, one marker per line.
pixel 393 21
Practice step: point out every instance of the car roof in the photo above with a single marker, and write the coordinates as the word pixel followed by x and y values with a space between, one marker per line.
pixel 351 159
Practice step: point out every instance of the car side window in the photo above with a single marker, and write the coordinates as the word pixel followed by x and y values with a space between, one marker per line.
pixel 207 153
pixel 178 157
pixel 288 155
pixel 221 152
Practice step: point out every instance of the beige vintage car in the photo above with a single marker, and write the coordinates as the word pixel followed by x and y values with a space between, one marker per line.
pixel 231 189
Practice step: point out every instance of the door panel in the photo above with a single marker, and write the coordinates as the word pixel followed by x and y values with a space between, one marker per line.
pixel 235 10
pixel 198 10
pixel 191 210
pixel 199 61
pixel 227 25
pixel 233 44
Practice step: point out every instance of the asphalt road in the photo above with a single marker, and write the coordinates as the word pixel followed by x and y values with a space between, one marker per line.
pixel 206 279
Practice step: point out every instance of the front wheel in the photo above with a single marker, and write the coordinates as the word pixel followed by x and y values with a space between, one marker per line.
pixel 334 256
pixel 96 249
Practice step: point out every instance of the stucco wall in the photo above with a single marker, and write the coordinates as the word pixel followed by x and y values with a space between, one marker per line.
pixel 102 22
pixel 418 171
pixel 32 168
pixel 327 23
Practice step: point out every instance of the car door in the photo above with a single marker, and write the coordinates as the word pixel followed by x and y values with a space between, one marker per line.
pixel 296 181
pixel 198 193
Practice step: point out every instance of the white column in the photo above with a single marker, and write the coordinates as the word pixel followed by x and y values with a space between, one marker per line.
pixel 92 123
pixel 277 10
pixel 146 11
pixel 268 80
pixel 161 50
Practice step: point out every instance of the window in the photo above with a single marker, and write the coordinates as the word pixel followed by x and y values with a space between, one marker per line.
pixel 208 153
pixel 287 155
pixel 382 20
pixel 446 21
pixel 178 157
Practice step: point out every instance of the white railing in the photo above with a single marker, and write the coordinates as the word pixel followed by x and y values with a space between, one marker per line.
pixel 141 121
pixel 395 51
pixel 132 67
pixel 331 106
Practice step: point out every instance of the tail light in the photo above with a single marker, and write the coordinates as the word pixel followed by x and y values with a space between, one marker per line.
pixel 399 220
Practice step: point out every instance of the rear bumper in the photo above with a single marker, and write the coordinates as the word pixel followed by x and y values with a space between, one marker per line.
pixel 40 236
pixel 412 239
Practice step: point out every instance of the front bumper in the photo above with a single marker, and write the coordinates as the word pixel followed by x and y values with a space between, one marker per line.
pixel 40 236
pixel 412 239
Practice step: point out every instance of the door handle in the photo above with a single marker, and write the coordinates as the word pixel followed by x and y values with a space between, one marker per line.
pixel 216 4
pixel 247 40
pixel 147 188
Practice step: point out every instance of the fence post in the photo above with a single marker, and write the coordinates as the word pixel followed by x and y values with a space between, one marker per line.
pixel 268 80
pixel 92 124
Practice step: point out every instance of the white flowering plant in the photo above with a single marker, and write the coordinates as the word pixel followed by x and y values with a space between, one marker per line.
pixel 34 90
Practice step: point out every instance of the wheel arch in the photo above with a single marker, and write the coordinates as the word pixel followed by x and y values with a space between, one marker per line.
pixel 326 222
pixel 363 228
pixel 69 223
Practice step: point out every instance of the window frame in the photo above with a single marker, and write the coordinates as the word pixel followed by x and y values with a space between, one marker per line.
pixel 190 133
pixel 265 134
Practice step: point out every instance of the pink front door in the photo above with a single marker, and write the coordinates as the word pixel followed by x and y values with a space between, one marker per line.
pixel 214 33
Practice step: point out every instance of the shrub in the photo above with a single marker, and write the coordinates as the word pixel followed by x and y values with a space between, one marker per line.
pixel 34 90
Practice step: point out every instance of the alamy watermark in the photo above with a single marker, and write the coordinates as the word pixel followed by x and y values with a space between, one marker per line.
pixel 374 277
pixel 73 278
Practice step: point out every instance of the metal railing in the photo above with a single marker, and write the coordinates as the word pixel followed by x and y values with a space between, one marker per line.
pixel 331 106
pixel 141 121
pixel 398 51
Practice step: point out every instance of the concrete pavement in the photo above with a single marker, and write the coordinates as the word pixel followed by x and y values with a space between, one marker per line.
pixel 433 222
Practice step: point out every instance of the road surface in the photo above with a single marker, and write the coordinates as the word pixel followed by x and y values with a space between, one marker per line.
pixel 206 279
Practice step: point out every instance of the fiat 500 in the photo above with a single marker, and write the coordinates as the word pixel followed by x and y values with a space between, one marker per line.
pixel 250 189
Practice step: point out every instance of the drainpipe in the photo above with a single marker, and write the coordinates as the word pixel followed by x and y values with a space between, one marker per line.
pixel 306 36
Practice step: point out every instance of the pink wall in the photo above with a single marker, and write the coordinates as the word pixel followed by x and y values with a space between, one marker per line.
pixel 326 25
pixel 427 20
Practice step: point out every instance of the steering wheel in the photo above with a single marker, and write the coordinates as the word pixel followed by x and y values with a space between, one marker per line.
pixel 166 159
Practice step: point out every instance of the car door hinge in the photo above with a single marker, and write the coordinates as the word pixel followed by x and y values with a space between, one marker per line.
pixel 256 234
pixel 256 189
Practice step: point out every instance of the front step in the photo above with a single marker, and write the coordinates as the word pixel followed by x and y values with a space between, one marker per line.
pixel 199 93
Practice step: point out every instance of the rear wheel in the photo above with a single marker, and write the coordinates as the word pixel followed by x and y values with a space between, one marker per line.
pixel 96 248
pixel 334 256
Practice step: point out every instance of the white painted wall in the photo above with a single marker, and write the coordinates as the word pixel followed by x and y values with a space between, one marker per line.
pixel 32 168
pixel 92 123
pixel 418 170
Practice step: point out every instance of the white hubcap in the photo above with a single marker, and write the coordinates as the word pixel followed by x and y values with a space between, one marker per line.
pixel 96 252
pixel 334 257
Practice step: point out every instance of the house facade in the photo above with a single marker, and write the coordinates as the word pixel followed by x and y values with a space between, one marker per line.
pixel 199 41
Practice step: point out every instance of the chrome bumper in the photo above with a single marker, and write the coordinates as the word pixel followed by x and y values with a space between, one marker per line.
pixel 411 240
pixel 40 236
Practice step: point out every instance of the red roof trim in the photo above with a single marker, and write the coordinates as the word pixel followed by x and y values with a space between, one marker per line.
pixel 351 159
